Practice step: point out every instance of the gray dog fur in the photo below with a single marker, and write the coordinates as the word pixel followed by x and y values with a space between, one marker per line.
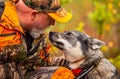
pixel 80 46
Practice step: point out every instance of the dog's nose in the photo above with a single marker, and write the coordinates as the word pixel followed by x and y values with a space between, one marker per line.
pixel 51 33
pixel 54 34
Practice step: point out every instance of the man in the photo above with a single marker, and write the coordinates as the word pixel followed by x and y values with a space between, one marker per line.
pixel 22 21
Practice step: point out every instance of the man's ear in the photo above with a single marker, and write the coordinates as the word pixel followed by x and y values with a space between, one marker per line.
pixel 94 43
pixel 33 14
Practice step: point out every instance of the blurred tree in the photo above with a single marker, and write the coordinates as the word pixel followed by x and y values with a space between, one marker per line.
pixel 101 16
pixel 98 18
pixel 106 15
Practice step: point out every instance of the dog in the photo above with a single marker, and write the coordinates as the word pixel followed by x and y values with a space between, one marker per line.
pixel 83 52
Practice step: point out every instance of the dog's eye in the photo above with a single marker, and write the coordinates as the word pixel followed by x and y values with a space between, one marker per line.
pixel 68 34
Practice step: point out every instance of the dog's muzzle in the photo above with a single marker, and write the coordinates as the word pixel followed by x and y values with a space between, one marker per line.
pixel 53 37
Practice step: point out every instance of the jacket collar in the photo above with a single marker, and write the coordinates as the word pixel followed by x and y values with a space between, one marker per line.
pixel 10 18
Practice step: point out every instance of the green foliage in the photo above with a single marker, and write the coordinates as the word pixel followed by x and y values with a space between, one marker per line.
pixel 116 61
pixel 22 55
pixel 62 2
pixel 106 12
pixel 80 26
pixel 101 15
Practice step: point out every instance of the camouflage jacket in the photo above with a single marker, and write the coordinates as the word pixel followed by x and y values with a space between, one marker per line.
pixel 15 45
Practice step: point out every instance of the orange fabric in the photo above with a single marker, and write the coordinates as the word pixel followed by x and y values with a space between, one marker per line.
pixel 9 18
pixel 63 73
pixel 10 24
pixel 44 53
pixel 11 39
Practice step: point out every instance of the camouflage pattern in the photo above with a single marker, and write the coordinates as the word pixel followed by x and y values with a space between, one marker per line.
pixel 43 5
pixel 26 67
pixel 8 71
pixel 8 55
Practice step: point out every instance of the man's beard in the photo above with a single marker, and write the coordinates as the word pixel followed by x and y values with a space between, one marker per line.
pixel 36 33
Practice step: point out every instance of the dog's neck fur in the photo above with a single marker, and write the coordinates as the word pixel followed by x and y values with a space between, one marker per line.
pixel 83 62
pixel 74 55
pixel 93 58
pixel 76 64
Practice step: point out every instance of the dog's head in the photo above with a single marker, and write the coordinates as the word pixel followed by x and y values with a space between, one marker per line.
pixel 75 44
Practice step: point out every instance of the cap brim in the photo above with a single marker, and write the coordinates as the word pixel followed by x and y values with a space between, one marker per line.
pixel 63 19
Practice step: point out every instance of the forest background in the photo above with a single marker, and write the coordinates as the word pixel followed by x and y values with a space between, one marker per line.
pixel 99 19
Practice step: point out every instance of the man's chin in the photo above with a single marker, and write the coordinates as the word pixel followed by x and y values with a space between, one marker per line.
pixel 36 34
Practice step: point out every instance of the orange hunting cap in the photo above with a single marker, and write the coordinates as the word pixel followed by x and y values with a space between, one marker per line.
pixel 52 7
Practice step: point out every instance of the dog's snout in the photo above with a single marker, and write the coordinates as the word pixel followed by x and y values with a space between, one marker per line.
pixel 53 33
pixel 53 36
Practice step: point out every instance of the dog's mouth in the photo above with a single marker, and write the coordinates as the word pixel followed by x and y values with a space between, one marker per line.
pixel 59 45
pixel 53 37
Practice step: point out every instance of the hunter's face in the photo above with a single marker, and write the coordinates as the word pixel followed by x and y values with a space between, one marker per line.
pixel 43 21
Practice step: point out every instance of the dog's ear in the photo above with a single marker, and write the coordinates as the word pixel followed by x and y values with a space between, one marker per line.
pixel 95 43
